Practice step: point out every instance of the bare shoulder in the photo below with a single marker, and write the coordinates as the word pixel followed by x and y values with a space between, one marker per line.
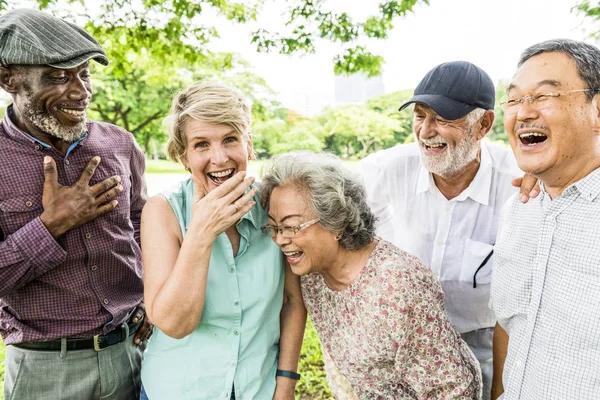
pixel 158 216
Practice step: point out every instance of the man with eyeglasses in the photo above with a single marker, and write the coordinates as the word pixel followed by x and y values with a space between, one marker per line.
pixel 440 198
pixel 546 286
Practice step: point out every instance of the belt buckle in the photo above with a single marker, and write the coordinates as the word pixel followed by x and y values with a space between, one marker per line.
pixel 97 343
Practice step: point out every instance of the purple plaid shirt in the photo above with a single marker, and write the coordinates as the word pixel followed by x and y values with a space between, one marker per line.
pixel 89 280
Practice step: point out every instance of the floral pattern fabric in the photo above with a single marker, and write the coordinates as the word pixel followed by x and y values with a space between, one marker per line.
pixel 388 334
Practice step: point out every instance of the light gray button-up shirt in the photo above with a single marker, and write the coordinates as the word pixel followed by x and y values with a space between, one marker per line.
pixel 546 293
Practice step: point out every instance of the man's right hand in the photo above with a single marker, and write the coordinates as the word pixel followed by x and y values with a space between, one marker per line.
pixel 67 207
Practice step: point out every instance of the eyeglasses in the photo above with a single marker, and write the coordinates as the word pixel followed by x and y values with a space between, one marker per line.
pixel 539 102
pixel 286 231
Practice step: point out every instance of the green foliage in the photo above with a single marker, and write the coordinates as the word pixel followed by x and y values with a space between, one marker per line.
pixel 2 354
pixel 309 20
pixel 175 30
pixel 350 132
pixel 590 9
pixel 313 384
pixel 353 131
pixel 497 132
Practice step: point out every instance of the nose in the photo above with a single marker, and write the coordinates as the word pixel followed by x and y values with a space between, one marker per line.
pixel 425 128
pixel 219 155
pixel 526 110
pixel 280 240
pixel 79 89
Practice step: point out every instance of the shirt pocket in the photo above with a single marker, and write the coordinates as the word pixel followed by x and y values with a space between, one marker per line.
pixel 121 213
pixel 18 211
pixel 477 263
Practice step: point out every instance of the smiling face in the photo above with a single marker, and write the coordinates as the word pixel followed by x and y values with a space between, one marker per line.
pixel 312 249
pixel 447 146
pixel 52 101
pixel 214 153
pixel 560 139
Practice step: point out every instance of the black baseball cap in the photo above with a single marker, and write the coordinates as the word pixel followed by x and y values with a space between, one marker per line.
pixel 454 89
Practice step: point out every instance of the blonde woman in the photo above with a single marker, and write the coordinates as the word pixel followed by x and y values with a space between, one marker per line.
pixel 213 283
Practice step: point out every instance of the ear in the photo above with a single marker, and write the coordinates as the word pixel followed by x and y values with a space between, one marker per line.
pixel 10 79
pixel 184 161
pixel 485 124
pixel 250 147
pixel 596 111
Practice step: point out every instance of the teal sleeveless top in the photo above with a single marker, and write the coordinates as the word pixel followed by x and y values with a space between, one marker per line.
pixel 237 339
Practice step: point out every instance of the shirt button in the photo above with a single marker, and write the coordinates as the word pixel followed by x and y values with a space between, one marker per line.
pixel 29 204
pixel 94 267
pixel 439 243
pixel 236 332
pixel 37 147
pixel 233 363
pixel 237 303
pixel 105 301
pixel 67 162
pixel 88 235
pixel 231 269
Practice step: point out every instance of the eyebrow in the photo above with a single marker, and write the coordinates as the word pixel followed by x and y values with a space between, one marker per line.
pixel 200 137
pixel 545 82
pixel 286 217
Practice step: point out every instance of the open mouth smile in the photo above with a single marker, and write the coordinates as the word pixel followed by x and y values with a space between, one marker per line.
pixel 532 138
pixel 293 257
pixel 221 176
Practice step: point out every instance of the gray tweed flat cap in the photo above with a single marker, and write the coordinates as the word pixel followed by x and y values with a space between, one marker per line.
pixel 32 37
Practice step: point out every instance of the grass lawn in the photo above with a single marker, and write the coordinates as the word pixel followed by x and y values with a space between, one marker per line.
pixel 2 351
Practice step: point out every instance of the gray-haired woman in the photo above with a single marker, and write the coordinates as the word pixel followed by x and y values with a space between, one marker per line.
pixel 378 310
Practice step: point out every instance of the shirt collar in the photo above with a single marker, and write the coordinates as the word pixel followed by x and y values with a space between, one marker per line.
pixel 478 190
pixel 21 136
pixel 588 187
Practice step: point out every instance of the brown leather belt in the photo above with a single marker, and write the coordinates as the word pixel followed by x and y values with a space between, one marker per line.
pixel 98 342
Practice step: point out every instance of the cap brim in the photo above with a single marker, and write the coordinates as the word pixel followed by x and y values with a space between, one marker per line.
pixel 77 61
pixel 446 107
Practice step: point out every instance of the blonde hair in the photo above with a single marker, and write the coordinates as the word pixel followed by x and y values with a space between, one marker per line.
pixel 210 102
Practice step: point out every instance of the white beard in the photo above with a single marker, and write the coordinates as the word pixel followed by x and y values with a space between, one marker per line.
pixel 45 122
pixel 454 160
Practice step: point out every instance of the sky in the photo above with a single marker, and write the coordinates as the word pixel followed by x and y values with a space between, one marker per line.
pixel 488 33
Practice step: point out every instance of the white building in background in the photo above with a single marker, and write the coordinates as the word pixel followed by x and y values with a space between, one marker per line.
pixel 356 89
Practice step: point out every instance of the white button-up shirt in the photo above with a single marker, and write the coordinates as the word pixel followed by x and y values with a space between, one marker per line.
pixel 452 237
pixel 546 294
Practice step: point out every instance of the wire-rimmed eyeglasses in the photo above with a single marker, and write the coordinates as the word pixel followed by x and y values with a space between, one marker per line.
pixel 537 102
pixel 287 231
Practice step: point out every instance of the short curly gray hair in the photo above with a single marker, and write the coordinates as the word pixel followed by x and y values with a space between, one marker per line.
pixel 335 194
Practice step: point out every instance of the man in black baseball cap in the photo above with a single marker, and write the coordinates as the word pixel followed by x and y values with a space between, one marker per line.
pixel 440 198
pixel 71 196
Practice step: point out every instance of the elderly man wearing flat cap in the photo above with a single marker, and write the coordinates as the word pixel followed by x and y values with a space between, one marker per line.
pixel 440 198
pixel 71 195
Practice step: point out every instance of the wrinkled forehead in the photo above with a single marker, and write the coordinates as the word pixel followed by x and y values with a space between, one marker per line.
pixel 552 71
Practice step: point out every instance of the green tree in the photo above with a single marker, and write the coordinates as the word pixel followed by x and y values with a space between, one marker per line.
pixel 497 132
pixel 388 104
pixel 174 30
pixel 354 131
pixel 590 9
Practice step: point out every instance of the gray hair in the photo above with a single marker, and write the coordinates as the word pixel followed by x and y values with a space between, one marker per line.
pixel 335 194
pixel 586 57
pixel 210 102
pixel 474 116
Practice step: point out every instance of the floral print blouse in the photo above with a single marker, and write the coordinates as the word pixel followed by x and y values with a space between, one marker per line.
pixel 387 333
